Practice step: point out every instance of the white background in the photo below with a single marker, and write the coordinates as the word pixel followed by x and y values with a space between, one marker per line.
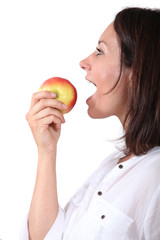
pixel 38 40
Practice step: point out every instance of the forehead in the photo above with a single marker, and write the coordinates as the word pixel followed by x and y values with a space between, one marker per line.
pixel 109 36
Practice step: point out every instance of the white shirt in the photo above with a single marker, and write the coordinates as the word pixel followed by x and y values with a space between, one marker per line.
pixel 118 202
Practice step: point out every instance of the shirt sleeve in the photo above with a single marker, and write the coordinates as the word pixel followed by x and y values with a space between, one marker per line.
pixel 55 232
pixel 152 219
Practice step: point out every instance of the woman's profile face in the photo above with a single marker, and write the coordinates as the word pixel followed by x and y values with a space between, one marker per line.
pixel 103 70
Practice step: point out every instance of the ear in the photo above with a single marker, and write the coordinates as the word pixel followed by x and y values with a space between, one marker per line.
pixel 129 75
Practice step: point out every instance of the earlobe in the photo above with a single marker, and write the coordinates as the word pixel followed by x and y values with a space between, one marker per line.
pixel 130 75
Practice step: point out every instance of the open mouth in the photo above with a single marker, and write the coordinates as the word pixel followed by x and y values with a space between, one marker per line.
pixel 92 89
pixel 92 85
pixel 91 82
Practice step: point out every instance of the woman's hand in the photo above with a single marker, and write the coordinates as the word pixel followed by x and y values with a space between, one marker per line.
pixel 45 119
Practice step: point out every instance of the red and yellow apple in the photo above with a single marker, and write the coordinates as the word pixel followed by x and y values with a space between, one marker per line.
pixel 64 89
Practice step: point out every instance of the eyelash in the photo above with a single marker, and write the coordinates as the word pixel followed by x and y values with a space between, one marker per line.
pixel 100 52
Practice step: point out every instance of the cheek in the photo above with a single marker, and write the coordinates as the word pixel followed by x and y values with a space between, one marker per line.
pixel 108 77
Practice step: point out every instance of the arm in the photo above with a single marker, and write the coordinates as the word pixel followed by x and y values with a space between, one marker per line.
pixel 45 121
pixel 44 204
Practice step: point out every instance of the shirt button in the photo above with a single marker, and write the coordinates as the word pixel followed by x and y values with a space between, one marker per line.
pixel 103 216
pixel 120 166
pixel 99 193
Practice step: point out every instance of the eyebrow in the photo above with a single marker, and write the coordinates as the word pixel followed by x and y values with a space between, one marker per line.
pixel 101 41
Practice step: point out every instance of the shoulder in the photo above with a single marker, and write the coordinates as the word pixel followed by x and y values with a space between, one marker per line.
pixel 152 158
pixel 154 152
pixel 150 167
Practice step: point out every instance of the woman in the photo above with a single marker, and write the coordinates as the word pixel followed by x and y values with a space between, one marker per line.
pixel 121 200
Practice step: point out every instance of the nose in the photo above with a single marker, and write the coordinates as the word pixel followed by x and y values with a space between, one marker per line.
pixel 85 65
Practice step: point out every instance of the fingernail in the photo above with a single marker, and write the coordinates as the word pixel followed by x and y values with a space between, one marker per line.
pixel 64 106
pixel 53 94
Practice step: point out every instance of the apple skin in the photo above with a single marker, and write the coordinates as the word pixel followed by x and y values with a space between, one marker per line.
pixel 64 90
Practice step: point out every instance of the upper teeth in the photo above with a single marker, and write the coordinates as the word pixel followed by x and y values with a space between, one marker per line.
pixel 92 83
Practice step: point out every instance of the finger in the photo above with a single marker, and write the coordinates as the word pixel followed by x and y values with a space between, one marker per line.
pixel 51 119
pixel 58 126
pixel 36 97
pixel 49 111
pixel 45 103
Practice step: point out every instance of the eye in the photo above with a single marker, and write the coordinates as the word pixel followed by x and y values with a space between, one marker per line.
pixel 100 52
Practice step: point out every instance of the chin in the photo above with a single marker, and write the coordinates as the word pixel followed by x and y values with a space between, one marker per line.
pixel 96 114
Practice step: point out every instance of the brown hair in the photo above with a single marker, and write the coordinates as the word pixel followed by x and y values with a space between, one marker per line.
pixel 138 30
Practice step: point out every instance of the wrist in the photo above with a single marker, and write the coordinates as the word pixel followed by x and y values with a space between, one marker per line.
pixel 46 154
